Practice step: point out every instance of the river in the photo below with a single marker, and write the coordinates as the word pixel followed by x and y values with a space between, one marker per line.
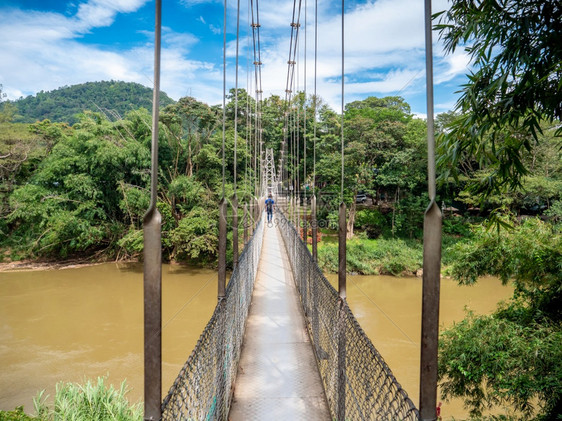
pixel 72 324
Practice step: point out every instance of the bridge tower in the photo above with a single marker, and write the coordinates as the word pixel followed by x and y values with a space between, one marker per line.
pixel 269 179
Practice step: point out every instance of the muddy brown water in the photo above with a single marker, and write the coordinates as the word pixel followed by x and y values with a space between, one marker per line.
pixel 73 324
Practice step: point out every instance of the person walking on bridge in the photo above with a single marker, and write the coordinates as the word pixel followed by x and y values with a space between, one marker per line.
pixel 269 202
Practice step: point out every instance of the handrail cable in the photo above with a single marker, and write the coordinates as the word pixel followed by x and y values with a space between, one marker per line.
pixel 342 90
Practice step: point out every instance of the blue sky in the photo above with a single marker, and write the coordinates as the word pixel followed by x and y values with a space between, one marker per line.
pixel 46 44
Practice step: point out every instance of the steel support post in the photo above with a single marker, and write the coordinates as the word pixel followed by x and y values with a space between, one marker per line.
pixel 234 230
pixel 153 260
pixel 222 249
pixel 431 254
pixel 314 229
pixel 342 234
pixel 430 312
pixel 245 224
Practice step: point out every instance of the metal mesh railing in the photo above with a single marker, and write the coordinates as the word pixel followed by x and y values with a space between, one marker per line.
pixel 203 388
pixel 358 383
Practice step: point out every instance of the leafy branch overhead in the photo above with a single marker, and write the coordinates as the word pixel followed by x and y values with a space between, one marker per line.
pixel 515 49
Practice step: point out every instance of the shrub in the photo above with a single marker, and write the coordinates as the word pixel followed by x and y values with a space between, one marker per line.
pixel 373 257
pixel 91 401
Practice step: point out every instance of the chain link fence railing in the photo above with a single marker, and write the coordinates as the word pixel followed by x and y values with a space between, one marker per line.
pixel 359 385
pixel 203 388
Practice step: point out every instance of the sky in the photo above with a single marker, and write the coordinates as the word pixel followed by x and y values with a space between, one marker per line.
pixel 47 44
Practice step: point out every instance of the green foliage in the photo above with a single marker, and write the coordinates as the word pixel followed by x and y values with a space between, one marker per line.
pixel 131 244
pixel 371 221
pixel 456 225
pixel 71 201
pixel 17 415
pixel 555 212
pixel 408 220
pixel 512 357
pixel 515 50
pixel 530 254
pixel 20 154
pixel 7 112
pixel 90 401
pixel 196 236
pixel 112 98
pixel 492 361
pixel 373 257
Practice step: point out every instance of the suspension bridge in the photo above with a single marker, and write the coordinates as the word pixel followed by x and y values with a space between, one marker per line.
pixel 283 343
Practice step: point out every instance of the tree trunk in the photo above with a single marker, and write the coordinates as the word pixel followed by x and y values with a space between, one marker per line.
pixel 351 219
pixel 189 162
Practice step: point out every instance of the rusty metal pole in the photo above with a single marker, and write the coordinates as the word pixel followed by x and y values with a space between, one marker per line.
pixel 234 231
pixel 342 290
pixel 342 234
pixel 305 221
pixel 245 224
pixel 219 380
pixel 222 249
pixel 431 255
pixel 256 212
pixel 314 228
pixel 153 259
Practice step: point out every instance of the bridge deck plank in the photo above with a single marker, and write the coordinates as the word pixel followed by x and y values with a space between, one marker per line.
pixel 277 377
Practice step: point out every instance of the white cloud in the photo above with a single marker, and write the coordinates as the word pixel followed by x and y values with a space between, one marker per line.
pixel 383 37
pixel 44 53
pixel 98 13
pixel 456 64
pixel 384 50
pixel 177 40
pixel 215 29
pixel 190 3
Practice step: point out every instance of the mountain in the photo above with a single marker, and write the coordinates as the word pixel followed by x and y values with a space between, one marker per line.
pixel 110 97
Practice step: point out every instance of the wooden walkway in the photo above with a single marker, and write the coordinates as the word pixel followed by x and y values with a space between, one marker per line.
pixel 277 377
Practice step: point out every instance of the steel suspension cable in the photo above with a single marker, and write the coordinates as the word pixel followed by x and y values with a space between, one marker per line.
pixel 315 94
pixel 305 98
pixel 342 90
pixel 236 94
pixel 224 101
pixel 248 89
pixel 315 99
pixel 235 164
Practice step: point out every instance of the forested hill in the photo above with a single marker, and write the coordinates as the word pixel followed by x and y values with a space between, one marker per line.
pixel 61 105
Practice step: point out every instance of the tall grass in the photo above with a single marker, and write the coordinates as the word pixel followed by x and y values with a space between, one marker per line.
pixel 88 402
pixel 374 257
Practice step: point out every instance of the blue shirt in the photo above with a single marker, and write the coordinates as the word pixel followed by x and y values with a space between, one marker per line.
pixel 269 204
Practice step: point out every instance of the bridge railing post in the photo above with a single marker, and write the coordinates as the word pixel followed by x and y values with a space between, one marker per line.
pixel 234 230
pixel 314 229
pixel 152 278
pixel 342 291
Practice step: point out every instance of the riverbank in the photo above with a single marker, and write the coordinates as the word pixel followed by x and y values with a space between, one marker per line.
pixel 384 256
pixel 33 265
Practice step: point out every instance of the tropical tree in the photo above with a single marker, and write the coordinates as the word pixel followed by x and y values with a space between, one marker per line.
pixel 512 356
pixel 515 47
